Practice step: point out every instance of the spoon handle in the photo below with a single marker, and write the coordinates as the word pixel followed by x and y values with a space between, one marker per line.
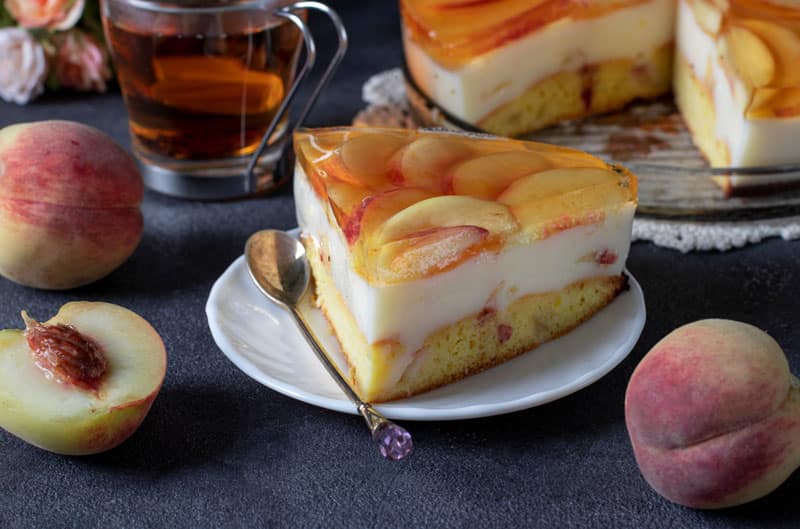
pixel 394 442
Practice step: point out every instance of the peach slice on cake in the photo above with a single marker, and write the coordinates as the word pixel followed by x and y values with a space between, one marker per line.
pixel 775 103
pixel 82 382
pixel 554 182
pixel 785 47
pixel 424 162
pixel 469 178
pixel 428 252
pixel 538 199
pixel 445 211
pixel 345 199
pixel 366 158
pixel 566 157
pixel 749 55
pixel 374 210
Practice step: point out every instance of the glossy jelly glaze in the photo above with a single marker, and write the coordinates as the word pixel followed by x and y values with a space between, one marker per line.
pixel 475 58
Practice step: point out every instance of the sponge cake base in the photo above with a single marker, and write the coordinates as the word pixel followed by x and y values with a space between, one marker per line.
pixel 462 348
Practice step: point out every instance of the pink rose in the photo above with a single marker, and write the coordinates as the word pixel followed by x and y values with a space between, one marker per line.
pixel 80 62
pixel 23 66
pixel 50 14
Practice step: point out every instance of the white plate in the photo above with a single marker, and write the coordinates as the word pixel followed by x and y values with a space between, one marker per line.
pixel 262 340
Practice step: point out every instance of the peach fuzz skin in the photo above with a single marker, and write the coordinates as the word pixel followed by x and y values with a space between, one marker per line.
pixel 713 415
pixel 69 204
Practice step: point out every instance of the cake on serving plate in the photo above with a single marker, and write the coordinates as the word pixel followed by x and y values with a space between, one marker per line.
pixel 737 79
pixel 436 255
pixel 514 66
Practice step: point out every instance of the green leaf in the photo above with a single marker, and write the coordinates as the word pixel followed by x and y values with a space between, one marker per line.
pixel 91 21
pixel 51 82
pixel 5 17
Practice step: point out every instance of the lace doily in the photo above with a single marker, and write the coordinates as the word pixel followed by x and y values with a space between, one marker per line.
pixel 385 96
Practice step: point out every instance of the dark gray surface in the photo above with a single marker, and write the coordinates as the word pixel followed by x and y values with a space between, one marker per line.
pixel 220 450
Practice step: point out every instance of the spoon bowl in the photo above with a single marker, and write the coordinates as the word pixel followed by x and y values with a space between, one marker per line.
pixel 278 265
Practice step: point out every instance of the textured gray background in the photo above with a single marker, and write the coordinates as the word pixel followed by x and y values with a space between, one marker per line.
pixel 220 450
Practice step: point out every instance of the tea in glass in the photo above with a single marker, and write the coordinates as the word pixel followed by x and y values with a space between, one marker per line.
pixel 200 86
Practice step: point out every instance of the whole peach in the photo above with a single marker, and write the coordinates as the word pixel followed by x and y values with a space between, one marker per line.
pixel 69 204
pixel 713 414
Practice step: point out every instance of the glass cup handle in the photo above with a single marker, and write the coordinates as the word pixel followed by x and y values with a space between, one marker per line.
pixel 288 13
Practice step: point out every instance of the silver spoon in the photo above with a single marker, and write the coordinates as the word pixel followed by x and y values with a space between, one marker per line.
pixel 278 265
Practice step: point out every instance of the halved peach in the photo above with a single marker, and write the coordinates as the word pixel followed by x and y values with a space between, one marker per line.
pixel 445 211
pixel 43 403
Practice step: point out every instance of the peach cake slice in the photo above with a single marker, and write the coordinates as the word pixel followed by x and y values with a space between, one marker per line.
pixel 737 80
pixel 514 66
pixel 437 255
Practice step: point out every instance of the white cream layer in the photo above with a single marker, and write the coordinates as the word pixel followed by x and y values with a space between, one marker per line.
pixel 751 142
pixel 495 78
pixel 408 312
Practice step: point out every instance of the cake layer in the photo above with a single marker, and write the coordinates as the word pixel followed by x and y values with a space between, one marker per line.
pixel 484 83
pixel 412 233
pixel 390 312
pixel 407 218
pixel 736 64
pixel 385 370
pixel 592 90
pixel 696 102
pixel 488 338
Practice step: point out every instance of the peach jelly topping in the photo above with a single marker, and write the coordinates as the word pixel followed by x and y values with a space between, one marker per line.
pixel 415 203
pixel 454 31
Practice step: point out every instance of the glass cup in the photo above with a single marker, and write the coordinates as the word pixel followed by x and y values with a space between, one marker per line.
pixel 207 85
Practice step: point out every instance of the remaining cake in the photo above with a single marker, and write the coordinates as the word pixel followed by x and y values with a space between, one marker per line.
pixel 737 80
pixel 514 66
pixel 437 255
